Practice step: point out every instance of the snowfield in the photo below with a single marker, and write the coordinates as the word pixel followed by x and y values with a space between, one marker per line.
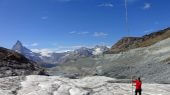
pixel 55 85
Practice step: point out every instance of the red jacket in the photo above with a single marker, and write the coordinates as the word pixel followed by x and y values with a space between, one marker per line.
pixel 138 84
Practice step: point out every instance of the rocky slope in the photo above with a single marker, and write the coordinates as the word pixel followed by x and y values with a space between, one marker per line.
pixel 54 85
pixel 152 63
pixel 15 64
pixel 128 43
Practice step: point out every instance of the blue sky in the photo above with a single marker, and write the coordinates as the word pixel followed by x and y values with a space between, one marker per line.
pixel 67 24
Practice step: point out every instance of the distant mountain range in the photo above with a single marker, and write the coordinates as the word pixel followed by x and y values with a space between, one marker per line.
pixel 125 44
pixel 58 58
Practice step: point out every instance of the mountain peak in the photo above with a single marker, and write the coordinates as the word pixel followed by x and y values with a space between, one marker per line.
pixel 18 43
pixel 18 47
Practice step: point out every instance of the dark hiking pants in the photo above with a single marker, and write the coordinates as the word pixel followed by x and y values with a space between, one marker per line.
pixel 138 91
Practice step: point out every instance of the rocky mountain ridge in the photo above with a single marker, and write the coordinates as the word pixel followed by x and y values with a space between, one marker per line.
pixel 128 43
pixel 15 64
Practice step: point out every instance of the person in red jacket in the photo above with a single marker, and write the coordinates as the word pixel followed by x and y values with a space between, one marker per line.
pixel 138 84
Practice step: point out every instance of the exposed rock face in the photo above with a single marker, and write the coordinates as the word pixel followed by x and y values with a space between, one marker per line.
pixel 54 85
pixel 18 47
pixel 128 43
pixel 15 64
pixel 84 52
pixel 125 43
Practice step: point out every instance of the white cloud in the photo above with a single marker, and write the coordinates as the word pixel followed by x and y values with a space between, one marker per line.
pixel 48 51
pixel 60 49
pixel 68 48
pixel 34 44
pixel 147 6
pixel 83 33
pixel 79 33
pixel 44 17
pixel 100 34
pixel 31 45
pixel 106 5
pixel 43 52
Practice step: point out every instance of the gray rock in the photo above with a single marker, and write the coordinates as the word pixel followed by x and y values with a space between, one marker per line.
pixel 15 64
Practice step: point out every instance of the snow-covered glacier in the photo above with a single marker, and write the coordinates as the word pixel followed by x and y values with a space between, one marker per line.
pixel 55 85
